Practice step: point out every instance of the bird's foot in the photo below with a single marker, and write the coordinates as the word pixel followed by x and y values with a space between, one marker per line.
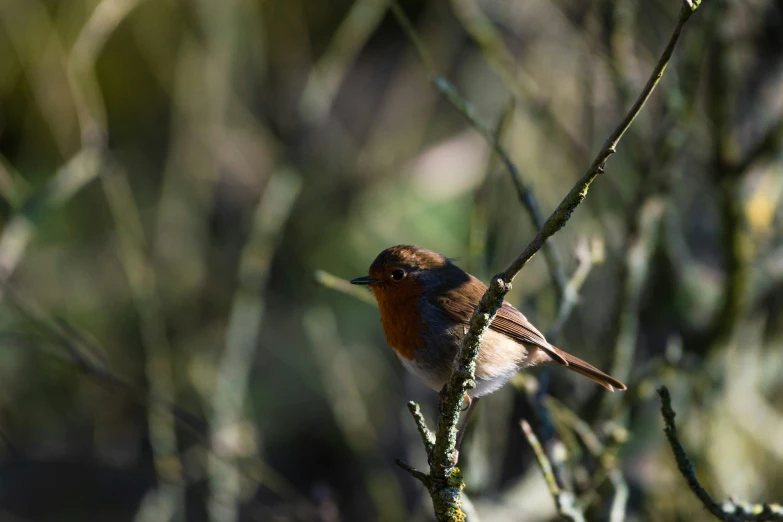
pixel 466 402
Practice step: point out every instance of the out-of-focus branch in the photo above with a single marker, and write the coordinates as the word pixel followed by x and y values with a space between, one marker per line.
pixel 736 241
pixel 564 500
pixel 163 502
pixel 731 511
pixel 142 282
pixel 350 407
pixel 341 285
pixel 643 238
pixel 604 454
pixel 13 187
pixel 502 61
pixel 445 481
pixel 327 74
pixel 17 234
pixel 242 337
pixel 766 146
pixel 87 357
pixel 523 189
pixel 588 253
pixel 479 231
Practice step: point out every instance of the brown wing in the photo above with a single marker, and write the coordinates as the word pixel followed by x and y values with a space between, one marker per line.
pixel 509 321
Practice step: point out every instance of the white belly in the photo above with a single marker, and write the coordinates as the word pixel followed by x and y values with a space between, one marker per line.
pixel 499 359
pixel 425 376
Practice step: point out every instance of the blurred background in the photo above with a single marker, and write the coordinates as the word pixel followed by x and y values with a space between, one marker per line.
pixel 182 181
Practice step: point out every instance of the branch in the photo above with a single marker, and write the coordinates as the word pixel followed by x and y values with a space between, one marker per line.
pixel 332 67
pixel 564 500
pixel 445 478
pixel 513 76
pixel 767 146
pixel 333 282
pixel 753 512
pixel 427 437
pixel 604 454
pixel 643 237
pixel 731 511
pixel 736 241
pixel 229 395
pixel 80 170
pixel 588 253
pixel 477 240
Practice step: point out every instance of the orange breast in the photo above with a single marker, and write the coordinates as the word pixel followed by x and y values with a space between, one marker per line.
pixel 400 318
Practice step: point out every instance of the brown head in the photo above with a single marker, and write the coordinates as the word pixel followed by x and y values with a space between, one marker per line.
pixel 398 277
pixel 408 269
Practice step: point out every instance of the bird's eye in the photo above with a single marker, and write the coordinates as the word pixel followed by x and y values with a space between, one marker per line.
pixel 398 274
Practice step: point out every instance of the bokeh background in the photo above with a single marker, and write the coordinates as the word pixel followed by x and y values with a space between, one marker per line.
pixel 175 173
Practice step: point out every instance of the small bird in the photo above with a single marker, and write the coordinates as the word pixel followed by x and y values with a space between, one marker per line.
pixel 426 303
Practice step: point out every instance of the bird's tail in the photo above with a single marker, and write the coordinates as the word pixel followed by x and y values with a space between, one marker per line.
pixel 591 372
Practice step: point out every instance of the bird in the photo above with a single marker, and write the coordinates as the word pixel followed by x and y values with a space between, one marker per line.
pixel 426 303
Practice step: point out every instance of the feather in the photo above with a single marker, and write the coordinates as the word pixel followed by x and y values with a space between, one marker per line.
pixel 591 372
pixel 509 321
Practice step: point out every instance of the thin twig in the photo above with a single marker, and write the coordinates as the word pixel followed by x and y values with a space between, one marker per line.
pixel 564 500
pixel 479 231
pixel 328 72
pixel 427 437
pixel 643 236
pixel 20 230
pixel 604 455
pixel 683 462
pixel 349 401
pixel 418 475
pixel 588 253
pixel 516 80
pixel 163 502
pixel 768 145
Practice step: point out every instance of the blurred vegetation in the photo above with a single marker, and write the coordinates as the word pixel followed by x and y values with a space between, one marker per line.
pixel 173 174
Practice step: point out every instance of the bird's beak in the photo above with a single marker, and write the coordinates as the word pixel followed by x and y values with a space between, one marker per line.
pixel 366 280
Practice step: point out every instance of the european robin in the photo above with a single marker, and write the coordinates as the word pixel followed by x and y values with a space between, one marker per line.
pixel 426 303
